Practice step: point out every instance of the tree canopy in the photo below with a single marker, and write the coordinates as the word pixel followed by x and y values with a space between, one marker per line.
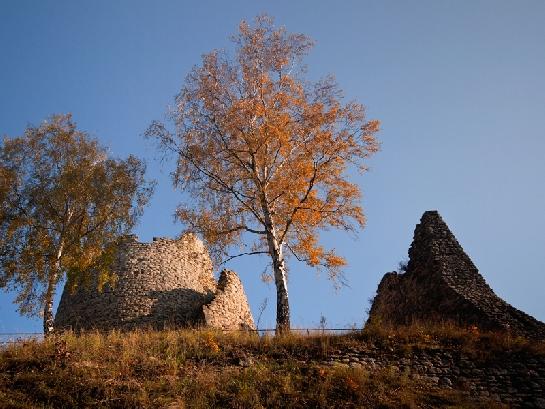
pixel 64 205
pixel 264 153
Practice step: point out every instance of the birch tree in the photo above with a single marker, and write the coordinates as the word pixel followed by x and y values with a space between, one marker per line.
pixel 264 154
pixel 64 204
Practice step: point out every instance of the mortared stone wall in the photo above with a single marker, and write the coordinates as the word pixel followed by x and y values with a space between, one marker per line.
pixel 165 283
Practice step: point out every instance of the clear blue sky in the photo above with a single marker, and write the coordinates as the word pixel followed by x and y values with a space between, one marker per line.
pixel 458 85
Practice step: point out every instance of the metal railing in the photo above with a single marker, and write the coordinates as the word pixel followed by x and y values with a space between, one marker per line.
pixel 7 338
pixel 307 331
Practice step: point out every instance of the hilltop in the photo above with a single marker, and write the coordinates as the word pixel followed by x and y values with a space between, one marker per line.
pixel 376 367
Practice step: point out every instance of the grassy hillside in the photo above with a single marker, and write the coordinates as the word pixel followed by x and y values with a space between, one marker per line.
pixel 203 369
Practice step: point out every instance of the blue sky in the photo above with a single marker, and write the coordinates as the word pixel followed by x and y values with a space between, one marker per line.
pixel 458 85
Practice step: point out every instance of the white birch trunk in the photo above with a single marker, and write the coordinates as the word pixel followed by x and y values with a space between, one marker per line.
pixel 279 271
pixel 50 293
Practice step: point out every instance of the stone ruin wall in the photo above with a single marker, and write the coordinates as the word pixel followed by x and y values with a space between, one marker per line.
pixel 226 310
pixel 441 283
pixel 165 283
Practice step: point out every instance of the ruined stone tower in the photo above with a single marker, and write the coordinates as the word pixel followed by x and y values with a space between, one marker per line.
pixel 442 284
pixel 165 283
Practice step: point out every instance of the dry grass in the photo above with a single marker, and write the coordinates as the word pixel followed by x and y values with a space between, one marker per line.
pixel 203 369
pixel 481 345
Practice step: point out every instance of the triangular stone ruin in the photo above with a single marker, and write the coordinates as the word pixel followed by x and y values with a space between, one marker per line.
pixel 441 284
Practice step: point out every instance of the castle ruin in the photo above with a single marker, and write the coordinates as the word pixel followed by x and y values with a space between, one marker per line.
pixel 165 283
pixel 441 283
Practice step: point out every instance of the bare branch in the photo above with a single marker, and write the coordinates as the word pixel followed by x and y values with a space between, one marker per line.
pixel 250 253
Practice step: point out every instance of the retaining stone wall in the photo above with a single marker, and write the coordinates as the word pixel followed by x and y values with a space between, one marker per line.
pixel 515 379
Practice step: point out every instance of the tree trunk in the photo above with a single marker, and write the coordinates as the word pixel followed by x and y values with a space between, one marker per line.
pixel 279 270
pixel 282 301
pixel 280 280
pixel 48 305
pixel 50 293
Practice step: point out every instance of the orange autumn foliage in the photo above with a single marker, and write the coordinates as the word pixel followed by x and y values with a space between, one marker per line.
pixel 262 151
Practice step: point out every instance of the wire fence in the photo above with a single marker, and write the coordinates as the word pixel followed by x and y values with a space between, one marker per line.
pixel 9 338
pixel 304 331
